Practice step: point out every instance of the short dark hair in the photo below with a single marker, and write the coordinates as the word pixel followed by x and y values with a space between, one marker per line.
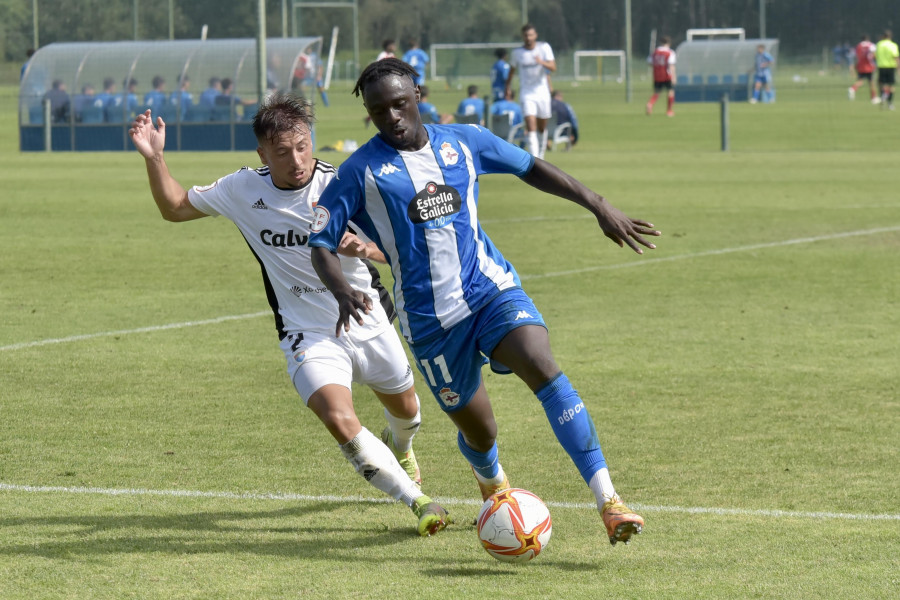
pixel 665 39
pixel 528 27
pixel 500 52
pixel 213 81
pixel 387 43
pixel 280 113
pixel 472 89
pixel 380 69
pixel 108 83
pixel 158 81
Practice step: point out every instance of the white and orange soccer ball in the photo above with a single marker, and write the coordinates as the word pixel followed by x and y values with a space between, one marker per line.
pixel 514 525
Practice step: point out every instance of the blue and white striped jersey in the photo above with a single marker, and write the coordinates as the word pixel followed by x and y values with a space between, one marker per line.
pixel 421 208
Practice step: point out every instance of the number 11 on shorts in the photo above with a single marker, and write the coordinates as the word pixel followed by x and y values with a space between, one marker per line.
pixel 442 365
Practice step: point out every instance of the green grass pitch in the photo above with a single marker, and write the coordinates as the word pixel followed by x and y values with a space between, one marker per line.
pixel 743 376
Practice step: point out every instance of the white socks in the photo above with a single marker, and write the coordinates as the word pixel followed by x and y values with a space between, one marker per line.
pixel 602 487
pixel 377 464
pixel 404 430
pixel 494 480
pixel 531 138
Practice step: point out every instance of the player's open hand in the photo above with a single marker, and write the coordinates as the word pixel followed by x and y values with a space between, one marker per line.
pixel 349 307
pixel 352 246
pixel 624 230
pixel 147 139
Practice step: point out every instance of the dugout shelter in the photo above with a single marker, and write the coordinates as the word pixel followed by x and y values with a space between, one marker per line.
pixel 94 121
pixel 708 69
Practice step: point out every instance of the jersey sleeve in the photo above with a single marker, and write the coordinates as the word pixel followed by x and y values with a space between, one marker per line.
pixel 213 199
pixel 548 52
pixel 496 155
pixel 337 204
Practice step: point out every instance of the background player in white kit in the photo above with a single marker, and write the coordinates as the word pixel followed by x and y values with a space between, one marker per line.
pixel 273 208
pixel 534 60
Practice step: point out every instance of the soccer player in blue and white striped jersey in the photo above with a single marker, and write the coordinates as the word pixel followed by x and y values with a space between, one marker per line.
pixel 413 190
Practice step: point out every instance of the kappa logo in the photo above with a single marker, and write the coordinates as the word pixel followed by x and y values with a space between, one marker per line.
pixel 523 314
pixel 387 169
pixel 259 204
pixel 449 397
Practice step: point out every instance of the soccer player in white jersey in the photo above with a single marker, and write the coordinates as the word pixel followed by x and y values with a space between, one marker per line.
pixel 273 207
pixel 533 61
pixel 413 189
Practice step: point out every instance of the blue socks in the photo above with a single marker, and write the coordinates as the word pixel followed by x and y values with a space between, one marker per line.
pixel 570 422
pixel 572 425
pixel 485 463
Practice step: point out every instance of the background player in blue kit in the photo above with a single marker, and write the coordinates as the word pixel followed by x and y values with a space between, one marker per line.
pixel 418 59
pixel 472 104
pixel 499 74
pixel 413 190
pixel 762 75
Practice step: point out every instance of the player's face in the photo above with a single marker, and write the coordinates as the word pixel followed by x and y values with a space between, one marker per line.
pixel 392 103
pixel 529 38
pixel 289 158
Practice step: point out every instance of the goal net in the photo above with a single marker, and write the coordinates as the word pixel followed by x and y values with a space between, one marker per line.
pixel 602 65
pixel 728 33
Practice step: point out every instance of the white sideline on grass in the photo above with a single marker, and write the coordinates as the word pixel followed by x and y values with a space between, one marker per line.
pixel 8 487
pixel 647 261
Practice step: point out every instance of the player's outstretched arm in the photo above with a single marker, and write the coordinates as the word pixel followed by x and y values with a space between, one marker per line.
pixel 350 301
pixel 615 225
pixel 170 197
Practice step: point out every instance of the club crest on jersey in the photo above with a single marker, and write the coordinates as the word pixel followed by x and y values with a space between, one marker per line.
pixel 449 397
pixel 449 155
pixel 434 207
pixel 320 219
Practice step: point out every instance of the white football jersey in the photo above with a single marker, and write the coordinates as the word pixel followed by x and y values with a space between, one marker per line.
pixel 276 224
pixel 532 76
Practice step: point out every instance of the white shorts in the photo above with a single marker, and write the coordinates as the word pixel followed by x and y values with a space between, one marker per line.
pixel 536 104
pixel 318 359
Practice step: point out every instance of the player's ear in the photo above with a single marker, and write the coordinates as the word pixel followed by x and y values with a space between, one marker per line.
pixel 262 155
pixel 418 94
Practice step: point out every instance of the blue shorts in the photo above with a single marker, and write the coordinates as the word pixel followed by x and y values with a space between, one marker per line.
pixel 764 79
pixel 451 363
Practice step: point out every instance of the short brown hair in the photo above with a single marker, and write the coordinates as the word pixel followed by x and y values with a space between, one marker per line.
pixel 280 113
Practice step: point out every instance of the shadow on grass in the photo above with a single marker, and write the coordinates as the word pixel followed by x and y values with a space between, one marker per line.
pixel 77 536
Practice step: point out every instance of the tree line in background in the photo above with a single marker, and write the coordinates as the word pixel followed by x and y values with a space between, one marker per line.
pixel 803 26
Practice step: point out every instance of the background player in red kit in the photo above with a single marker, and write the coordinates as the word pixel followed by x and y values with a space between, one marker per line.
pixel 663 61
pixel 865 66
